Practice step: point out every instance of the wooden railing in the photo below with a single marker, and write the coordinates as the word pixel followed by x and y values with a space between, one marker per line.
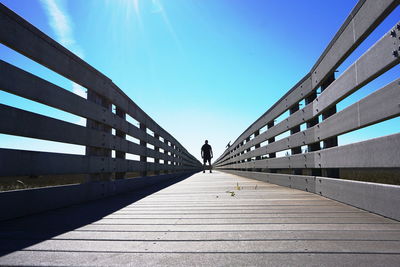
pixel 97 136
pixel 314 151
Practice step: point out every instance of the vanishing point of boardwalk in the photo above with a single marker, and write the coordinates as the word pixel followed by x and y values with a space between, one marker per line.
pixel 314 199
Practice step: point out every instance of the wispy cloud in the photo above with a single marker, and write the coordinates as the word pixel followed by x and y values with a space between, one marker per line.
pixel 60 22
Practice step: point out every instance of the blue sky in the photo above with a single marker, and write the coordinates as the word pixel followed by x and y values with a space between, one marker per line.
pixel 203 69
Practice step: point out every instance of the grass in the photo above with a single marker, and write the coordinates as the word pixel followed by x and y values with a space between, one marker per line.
pixel 383 176
pixel 26 182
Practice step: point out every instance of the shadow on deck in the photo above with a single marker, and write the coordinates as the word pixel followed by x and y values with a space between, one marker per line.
pixel 17 234
pixel 207 219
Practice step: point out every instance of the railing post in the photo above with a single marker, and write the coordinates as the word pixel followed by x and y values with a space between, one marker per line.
pixel 256 133
pixel 332 141
pixel 248 150
pixel 143 144
pixel 241 153
pixel 119 154
pixel 173 156
pixel 315 146
pixel 177 158
pixel 296 129
pixel 104 153
pixel 166 153
pixel 230 155
pixel 156 148
pixel 272 139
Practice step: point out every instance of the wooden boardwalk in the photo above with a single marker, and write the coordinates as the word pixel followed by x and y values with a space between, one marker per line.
pixel 205 220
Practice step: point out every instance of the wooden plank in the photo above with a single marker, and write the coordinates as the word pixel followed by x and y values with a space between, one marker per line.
pixel 198 220
pixel 302 182
pixel 18 163
pixel 365 112
pixel 376 107
pixel 23 123
pixel 26 163
pixel 366 16
pixel 26 39
pixel 299 91
pixel 24 84
pixel 373 197
pixel 380 152
pixel 374 62
pixel 44 50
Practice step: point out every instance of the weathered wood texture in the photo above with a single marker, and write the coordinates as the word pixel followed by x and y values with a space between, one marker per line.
pixel 97 136
pixel 378 198
pixel 383 104
pixel 366 16
pixel 199 221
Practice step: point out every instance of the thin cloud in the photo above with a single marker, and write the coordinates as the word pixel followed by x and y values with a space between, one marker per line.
pixel 61 24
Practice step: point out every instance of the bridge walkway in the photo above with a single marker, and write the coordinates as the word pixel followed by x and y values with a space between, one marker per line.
pixel 207 219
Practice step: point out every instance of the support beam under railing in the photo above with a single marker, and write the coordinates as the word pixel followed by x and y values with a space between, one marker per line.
pixel 120 154
pixel 104 153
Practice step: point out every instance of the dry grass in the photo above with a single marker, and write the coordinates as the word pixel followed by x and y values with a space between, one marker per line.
pixel 383 176
pixel 25 182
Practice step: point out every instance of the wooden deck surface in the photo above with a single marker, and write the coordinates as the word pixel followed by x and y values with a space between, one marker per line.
pixel 205 220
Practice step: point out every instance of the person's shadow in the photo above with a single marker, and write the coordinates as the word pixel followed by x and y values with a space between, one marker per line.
pixel 16 234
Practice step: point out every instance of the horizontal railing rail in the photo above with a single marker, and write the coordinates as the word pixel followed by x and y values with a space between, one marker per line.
pixel 311 143
pixel 97 136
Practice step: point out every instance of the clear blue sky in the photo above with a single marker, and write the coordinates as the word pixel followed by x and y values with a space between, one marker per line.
pixel 203 69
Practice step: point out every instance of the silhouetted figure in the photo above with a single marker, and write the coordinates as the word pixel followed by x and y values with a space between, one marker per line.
pixel 206 154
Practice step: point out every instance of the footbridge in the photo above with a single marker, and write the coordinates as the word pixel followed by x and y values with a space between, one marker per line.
pixel 279 195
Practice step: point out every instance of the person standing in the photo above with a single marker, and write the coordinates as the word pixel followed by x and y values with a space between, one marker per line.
pixel 207 155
